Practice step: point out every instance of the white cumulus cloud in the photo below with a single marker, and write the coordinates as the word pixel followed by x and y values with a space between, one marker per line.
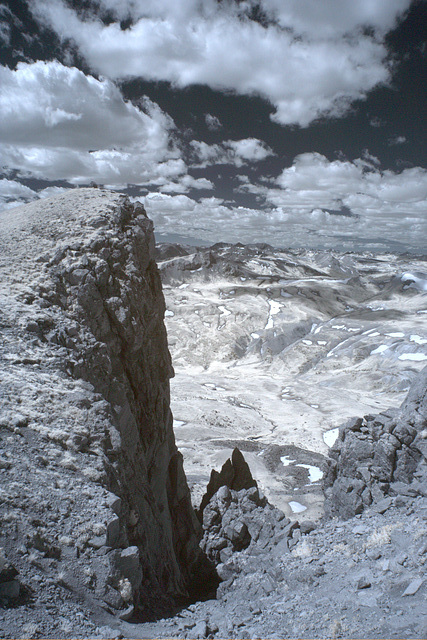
pixel 309 59
pixel 233 152
pixel 354 198
pixel 58 123
pixel 213 123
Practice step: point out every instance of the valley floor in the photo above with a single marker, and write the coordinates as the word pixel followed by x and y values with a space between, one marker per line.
pixel 274 349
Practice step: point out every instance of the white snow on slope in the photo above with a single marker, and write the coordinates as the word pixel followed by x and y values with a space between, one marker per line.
pixel 297 507
pixel 329 437
pixel 380 349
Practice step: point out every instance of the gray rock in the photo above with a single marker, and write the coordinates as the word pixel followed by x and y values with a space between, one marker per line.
pixel 413 587
pixel 5 464
pixel 238 535
pixel 7 571
pixel 226 570
pixel 200 630
pixel 307 527
pixel 10 590
pixel 42 543
pixel 108 633
pixel 127 613
pixel 363 583
pixel 126 564
pixel 95 318
pixel 359 529
pixel 375 451
pixel 386 565
pixel 235 474
pixel 113 598
pixel 97 542
pixel 382 505
pixel 115 503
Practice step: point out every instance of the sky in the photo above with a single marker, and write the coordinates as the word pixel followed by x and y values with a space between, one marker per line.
pixel 299 123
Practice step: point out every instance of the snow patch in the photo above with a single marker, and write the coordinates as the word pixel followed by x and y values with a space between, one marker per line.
pixel 417 339
pixel 380 349
pixel 286 461
pixel 415 282
pixel 169 314
pixel 296 507
pixel 314 473
pixel 274 310
pixel 224 310
pixel 214 387
pixel 330 436
pixel 413 356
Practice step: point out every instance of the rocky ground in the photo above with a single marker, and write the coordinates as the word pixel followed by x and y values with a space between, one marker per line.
pixel 75 553
pixel 357 578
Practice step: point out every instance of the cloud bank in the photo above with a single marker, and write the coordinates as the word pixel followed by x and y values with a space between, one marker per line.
pixel 58 123
pixel 309 60
pixel 314 203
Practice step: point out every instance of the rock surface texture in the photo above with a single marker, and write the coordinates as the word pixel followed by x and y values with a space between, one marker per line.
pixel 93 497
pixel 97 532
pixel 376 457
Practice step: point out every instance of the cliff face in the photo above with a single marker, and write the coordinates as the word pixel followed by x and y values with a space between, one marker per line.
pixel 90 318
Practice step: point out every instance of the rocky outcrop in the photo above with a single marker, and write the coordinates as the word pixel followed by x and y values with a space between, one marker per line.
pixel 235 474
pixel 379 456
pixel 89 375
pixel 239 518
